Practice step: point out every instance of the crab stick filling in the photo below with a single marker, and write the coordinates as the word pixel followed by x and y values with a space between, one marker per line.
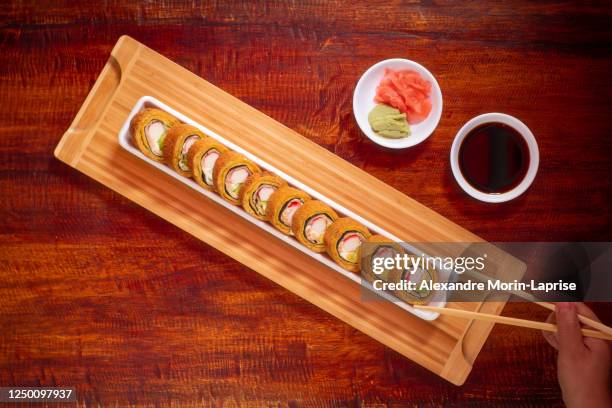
pixel 208 164
pixel 234 180
pixel 155 132
pixel 286 215
pixel 259 200
pixel 315 227
pixel 349 244
pixel 185 149
pixel 383 252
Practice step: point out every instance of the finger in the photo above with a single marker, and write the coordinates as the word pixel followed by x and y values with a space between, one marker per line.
pixel 552 318
pixel 551 337
pixel 586 311
pixel 568 329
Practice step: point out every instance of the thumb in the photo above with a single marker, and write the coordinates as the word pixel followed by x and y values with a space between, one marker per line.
pixel 568 329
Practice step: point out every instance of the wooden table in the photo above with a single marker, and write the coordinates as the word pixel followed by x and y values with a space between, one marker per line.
pixel 99 294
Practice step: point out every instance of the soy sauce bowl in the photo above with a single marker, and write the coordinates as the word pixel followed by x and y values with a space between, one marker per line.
pixel 532 145
pixel 363 103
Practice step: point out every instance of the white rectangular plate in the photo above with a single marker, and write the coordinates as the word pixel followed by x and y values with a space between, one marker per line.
pixel 125 140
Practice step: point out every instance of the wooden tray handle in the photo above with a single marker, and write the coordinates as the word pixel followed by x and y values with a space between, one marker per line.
pixel 92 111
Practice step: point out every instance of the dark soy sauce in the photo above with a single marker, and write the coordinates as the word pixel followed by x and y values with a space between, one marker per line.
pixel 494 158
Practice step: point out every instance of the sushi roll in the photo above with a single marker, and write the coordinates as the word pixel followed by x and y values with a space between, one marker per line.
pixel 342 241
pixel 256 193
pixel 229 174
pixel 282 207
pixel 179 141
pixel 202 158
pixel 149 128
pixel 421 294
pixel 310 222
pixel 379 247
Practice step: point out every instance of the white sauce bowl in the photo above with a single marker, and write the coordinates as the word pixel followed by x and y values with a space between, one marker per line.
pixel 363 103
pixel 534 157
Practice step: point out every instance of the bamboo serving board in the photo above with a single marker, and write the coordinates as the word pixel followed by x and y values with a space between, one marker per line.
pixel 447 346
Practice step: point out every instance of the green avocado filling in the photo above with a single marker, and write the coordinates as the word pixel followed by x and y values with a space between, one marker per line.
pixel 160 141
pixel 258 205
pixel 421 275
pixel 183 163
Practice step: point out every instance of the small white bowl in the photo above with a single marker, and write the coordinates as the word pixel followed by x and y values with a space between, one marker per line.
pixel 363 103
pixel 534 157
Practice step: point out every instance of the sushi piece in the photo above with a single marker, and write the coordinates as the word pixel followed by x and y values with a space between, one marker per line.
pixel 372 253
pixel 378 246
pixel 202 158
pixel 342 241
pixel 310 222
pixel 421 294
pixel 149 128
pixel 179 141
pixel 229 174
pixel 256 193
pixel 282 207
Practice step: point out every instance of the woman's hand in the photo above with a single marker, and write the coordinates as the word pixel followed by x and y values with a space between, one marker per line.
pixel 583 363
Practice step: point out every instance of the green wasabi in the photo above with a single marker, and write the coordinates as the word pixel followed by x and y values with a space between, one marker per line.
pixel 388 122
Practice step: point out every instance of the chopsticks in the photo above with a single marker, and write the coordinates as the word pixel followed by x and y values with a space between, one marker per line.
pixel 512 320
pixel 583 319
pixel 550 306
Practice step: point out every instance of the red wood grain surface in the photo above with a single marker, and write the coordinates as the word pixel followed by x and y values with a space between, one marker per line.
pixel 98 294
